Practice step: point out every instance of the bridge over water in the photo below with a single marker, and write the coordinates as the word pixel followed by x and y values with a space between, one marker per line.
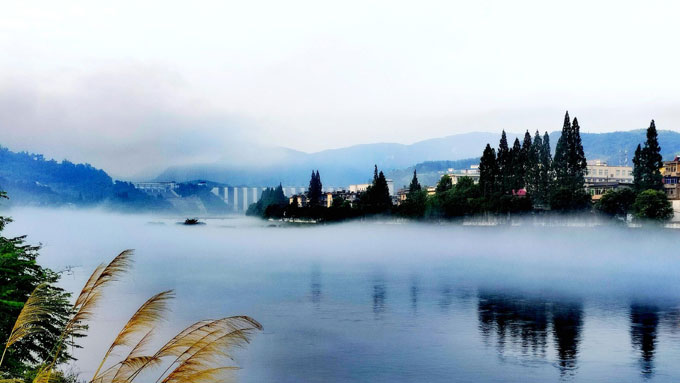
pixel 239 198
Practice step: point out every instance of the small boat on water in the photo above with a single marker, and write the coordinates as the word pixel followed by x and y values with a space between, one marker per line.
pixel 193 221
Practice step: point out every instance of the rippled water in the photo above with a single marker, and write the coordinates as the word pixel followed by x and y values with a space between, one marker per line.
pixel 393 303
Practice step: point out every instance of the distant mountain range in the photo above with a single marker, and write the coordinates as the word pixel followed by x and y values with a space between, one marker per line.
pixel 31 179
pixel 354 164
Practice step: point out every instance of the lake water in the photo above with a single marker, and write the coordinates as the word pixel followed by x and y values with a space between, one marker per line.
pixel 372 302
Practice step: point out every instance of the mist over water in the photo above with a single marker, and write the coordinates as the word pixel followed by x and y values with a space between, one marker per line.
pixel 385 302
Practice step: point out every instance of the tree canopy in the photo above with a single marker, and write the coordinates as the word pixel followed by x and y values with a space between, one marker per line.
pixel 647 162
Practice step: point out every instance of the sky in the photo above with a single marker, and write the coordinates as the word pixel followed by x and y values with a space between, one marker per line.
pixel 136 86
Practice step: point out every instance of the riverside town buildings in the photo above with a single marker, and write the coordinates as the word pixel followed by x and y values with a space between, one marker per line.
pixel 671 178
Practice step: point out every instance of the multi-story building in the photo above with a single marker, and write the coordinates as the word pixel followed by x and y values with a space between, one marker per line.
pixel 599 171
pixel 671 178
pixel 456 175
pixel 600 178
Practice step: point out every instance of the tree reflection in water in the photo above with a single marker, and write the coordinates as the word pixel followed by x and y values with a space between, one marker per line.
pixel 525 323
pixel 644 321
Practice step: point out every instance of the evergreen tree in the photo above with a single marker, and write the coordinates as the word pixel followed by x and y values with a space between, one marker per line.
pixel 503 161
pixel 382 193
pixel 578 164
pixel 488 172
pixel 532 166
pixel 315 189
pixel 569 166
pixel 526 145
pixel 414 186
pixel 647 163
pixel 638 169
pixel 517 166
pixel 560 162
pixel 525 157
pixel 545 172
pixel 377 197
pixel 414 205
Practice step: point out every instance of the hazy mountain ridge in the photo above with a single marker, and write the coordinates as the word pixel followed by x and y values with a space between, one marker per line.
pixel 354 164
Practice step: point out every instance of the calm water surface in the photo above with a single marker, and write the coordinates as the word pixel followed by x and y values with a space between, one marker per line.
pixel 393 303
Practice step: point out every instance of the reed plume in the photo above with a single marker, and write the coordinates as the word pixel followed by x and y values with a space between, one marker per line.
pixel 35 310
pixel 144 320
pixel 194 355
pixel 85 304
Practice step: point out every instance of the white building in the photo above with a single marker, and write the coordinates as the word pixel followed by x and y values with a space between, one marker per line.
pixel 472 172
pixel 360 188
pixel 599 171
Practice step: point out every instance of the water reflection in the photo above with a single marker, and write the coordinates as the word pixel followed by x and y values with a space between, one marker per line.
pixel 525 323
pixel 567 323
pixel 644 321
pixel 379 296
pixel 315 286
pixel 414 295
pixel 446 298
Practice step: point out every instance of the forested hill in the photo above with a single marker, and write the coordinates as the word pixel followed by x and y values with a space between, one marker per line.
pixel 30 179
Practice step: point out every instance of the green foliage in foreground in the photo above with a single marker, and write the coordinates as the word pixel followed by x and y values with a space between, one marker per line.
pixel 20 274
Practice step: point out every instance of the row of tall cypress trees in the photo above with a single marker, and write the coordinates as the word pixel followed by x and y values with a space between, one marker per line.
pixel 556 182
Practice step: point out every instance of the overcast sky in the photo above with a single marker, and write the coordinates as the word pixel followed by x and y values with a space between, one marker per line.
pixel 135 86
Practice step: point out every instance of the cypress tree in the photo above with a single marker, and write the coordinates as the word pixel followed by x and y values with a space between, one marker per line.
pixel 569 166
pixel 577 163
pixel 517 167
pixel 488 171
pixel 382 193
pixel 647 162
pixel 638 170
pixel 503 161
pixel 532 166
pixel 314 192
pixel 525 157
pixel 560 163
pixel 546 174
pixel 654 159
pixel 377 197
pixel 415 185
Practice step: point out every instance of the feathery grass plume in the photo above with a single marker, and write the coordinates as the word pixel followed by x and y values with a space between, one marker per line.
pixel 100 278
pixel 123 370
pixel 195 337
pixel 144 319
pixel 205 352
pixel 209 375
pixel 85 304
pixel 35 310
